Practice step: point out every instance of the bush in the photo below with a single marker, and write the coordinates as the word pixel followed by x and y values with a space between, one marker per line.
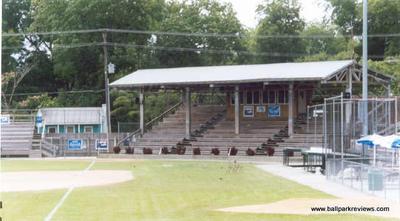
pixel 173 150
pixel 264 145
pixel 196 151
pixel 232 151
pixel 215 151
pixel 116 149
pixel 250 152
pixel 270 141
pixel 270 151
pixel 129 150
pixel 164 150
pixel 180 150
pixel 147 151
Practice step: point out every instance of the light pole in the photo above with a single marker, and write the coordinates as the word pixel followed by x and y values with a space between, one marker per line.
pixel 365 66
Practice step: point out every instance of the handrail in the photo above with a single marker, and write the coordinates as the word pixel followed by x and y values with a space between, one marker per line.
pixel 151 122
pixel 49 147
pixel 163 114
pixel 391 127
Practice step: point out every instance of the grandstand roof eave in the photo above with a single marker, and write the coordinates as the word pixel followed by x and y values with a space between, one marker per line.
pixel 236 74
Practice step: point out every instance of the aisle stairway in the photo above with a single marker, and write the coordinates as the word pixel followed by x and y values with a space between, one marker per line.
pixel 304 137
pixel 172 129
pixel 252 134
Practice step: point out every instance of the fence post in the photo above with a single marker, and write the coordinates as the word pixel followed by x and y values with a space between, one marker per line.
pixel 341 135
pixel 325 131
pixel 396 115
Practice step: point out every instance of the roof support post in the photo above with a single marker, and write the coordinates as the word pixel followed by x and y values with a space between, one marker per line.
pixel 237 110
pixel 141 110
pixel 290 118
pixel 188 107
pixel 349 88
pixel 388 90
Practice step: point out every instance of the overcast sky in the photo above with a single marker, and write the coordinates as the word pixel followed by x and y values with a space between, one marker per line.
pixel 312 10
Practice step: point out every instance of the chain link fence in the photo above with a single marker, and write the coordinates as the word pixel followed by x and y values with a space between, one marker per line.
pixel 380 181
pixel 58 144
pixel 345 122
pixel 352 164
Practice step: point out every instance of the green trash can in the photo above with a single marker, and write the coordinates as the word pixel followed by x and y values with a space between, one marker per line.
pixel 375 180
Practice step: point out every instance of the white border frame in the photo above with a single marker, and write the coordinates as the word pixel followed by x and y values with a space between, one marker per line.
pixel 249 107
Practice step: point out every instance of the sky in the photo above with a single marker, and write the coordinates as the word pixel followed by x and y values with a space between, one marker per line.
pixel 312 10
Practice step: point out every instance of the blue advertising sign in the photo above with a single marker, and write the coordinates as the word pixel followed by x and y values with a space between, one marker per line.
pixel 74 144
pixel 248 111
pixel 274 110
pixel 5 119
pixel 39 119
pixel 101 145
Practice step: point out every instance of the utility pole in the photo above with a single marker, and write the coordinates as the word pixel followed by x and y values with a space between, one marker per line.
pixel 365 66
pixel 106 87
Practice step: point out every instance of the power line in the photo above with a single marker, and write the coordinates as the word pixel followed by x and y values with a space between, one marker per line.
pixel 176 49
pixel 195 34
pixel 57 92
pixel 66 46
pixel 213 51
pixel 184 49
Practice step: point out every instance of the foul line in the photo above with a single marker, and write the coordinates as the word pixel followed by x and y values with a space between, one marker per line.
pixel 64 197
pixel 90 166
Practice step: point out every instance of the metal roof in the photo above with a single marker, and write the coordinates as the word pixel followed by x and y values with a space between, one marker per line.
pixel 72 115
pixel 304 71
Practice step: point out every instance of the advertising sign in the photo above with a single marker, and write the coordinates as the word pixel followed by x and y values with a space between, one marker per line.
pixel 5 119
pixel 260 109
pixel 316 113
pixel 39 119
pixel 74 144
pixel 248 111
pixel 274 110
pixel 101 144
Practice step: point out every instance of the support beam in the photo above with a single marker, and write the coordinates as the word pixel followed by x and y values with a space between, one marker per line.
pixel 188 107
pixel 237 110
pixel 141 109
pixel 290 118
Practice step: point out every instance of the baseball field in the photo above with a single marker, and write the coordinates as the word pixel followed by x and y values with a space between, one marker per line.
pixel 147 190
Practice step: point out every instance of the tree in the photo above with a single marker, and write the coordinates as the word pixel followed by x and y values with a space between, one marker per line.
pixel 202 16
pixel 16 18
pixel 279 18
pixel 321 38
pixel 10 82
pixel 38 101
pixel 390 66
pixel 383 18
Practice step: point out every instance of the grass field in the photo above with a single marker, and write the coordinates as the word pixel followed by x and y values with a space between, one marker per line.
pixel 161 190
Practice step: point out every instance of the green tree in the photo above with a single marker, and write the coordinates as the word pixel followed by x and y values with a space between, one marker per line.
pixel 279 18
pixel 202 16
pixel 321 38
pixel 383 18
pixel 389 66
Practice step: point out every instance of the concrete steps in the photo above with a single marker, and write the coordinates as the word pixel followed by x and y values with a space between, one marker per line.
pixel 172 129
